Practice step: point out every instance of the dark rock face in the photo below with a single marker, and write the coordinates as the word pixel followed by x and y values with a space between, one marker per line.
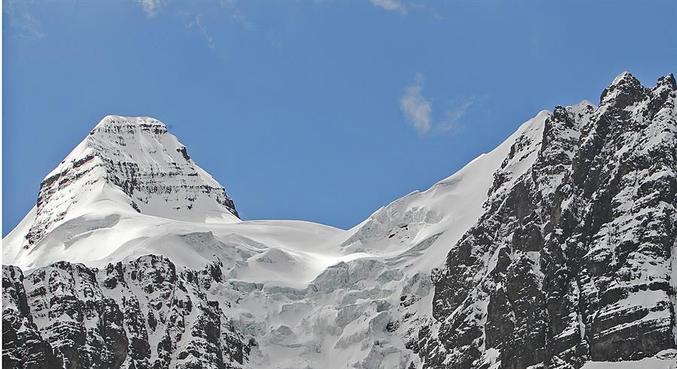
pixel 22 344
pixel 572 260
pixel 137 314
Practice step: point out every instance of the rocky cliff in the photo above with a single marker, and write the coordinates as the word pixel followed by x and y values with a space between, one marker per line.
pixel 136 314
pixel 572 260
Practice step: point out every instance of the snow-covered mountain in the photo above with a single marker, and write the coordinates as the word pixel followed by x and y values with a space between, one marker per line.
pixel 573 260
pixel 124 167
pixel 556 249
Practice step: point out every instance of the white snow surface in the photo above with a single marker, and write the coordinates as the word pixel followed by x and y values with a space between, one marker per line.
pixel 311 295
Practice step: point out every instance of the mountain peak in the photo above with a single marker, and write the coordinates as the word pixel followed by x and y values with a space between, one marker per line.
pixel 113 122
pixel 667 81
pixel 129 164
pixel 624 89
pixel 624 78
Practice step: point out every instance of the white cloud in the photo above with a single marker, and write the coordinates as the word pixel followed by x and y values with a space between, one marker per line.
pixel 417 108
pixel 390 5
pixel 151 7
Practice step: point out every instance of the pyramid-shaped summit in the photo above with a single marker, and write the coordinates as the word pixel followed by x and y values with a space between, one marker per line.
pixel 128 164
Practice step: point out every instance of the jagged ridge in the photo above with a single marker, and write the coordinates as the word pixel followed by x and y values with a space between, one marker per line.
pixel 574 261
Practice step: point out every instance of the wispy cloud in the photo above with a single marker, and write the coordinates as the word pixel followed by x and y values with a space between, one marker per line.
pixel 200 16
pixel 390 5
pixel 235 13
pixel 454 115
pixel 22 22
pixel 418 110
pixel 203 31
pixel 405 7
pixel 151 7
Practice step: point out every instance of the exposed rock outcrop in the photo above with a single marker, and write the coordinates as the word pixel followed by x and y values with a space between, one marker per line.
pixel 137 314
pixel 573 261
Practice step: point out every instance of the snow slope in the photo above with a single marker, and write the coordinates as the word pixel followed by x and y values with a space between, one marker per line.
pixel 92 216
pixel 446 210
pixel 314 295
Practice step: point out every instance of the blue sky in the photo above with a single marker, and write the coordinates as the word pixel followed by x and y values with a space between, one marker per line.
pixel 311 109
